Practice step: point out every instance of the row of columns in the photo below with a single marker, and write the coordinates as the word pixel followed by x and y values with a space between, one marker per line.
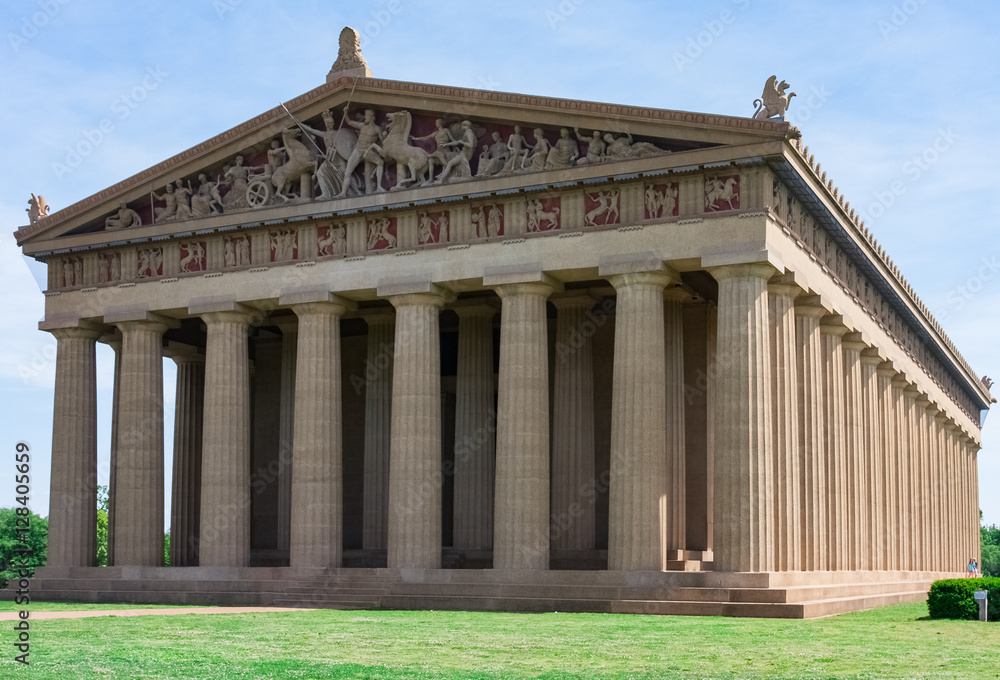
pixel 826 457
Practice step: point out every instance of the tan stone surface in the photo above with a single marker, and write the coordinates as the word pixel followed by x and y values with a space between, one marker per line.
pixel 475 428
pixel 316 538
pixel 834 448
pixel 73 487
pixel 521 509
pixel 744 518
pixel 874 452
pixel 673 371
pixel 573 423
pixel 378 424
pixel 139 486
pixel 414 539
pixel 286 437
pixel 855 445
pixel 185 503
pixel 812 432
pixel 225 494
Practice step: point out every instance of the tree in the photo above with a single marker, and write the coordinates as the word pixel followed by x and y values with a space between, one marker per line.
pixel 990 565
pixel 102 527
pixel 166 549
pixel 17 548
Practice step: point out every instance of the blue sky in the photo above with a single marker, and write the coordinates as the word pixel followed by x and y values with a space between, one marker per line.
pixel 897 100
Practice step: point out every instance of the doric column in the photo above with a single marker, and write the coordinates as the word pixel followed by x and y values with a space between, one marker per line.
pixel 952 520
pixel 912 480
pixel 901 462
pixel 139 525
pixel 225 469
pixel 72 538
pixel 286 429
pixel 521 507
pixel 889 507
pixel 926 530
pixel 185 499
pixel 475 427
pixel 812 430
pixel 114 341
pixel 744 518
pixel 832 330
pixel 858 496
pixel 931 500
pixel 378 416
pixel 316 538
pixel 871 437
pixel 787 498
pixel 573 423
pixel 639 493
pixel 673 370
pixel 415 444
pixel 941 493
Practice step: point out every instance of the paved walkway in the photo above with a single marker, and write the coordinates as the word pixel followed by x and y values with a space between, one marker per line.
pixel 84 614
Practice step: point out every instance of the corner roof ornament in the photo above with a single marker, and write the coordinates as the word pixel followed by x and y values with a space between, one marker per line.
pixel 349 60
pixel 773 102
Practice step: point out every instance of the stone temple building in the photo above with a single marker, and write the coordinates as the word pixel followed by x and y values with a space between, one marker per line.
pixel 447 348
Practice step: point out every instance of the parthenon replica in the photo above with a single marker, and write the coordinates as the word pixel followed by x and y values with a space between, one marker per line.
pixel 456 349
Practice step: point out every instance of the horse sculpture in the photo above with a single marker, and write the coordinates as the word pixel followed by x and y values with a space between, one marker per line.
pixel 717 191
pixel 411 161
pixel 300 161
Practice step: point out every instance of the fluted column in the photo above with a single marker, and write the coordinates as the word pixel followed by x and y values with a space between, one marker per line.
pixel 955 557
pixel 114 341
pixel 812 430
pixel 940 464
pixel 926 530
pixel 832 331
pixel 913 479
pixel 639 499
pixel 934 527
pixel 139 525
pixel 898 425
pixel 872 449
pixel 316 538
pixel 185 503
pixel 744 517
pixel 673 370
pixel 475 428
pixel 886 372
pixel 858 496
pixel 573 423
pixel 72 537
pixel 225 469
pixel 787 498
pixel 378 417
pixel 286 427
pixel 415 444
pixel 521 507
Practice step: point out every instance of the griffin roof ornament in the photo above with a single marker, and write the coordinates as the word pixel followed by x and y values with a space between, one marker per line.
pixel 773 102
pixel 349 60
pixel 37 208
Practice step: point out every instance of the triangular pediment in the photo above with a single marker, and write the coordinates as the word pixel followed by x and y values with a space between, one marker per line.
pixel 509 141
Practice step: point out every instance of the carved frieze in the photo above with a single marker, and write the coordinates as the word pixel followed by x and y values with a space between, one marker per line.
pixel 722 193
pixel 487 220
pixel 331 240
pixel 284 245
pixel 193 257
pixel 150 263
pixel 602 208
pixel 381 233
pixel 542 214
pixel 661 200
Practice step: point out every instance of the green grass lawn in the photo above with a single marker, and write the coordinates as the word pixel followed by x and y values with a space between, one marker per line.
pixel 9 606
pixel 894 642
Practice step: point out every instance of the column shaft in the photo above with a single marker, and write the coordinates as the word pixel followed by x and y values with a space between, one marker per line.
pixel 876 530
pixel 785 404
pixel 316 538
pixel 744 517
pixel 286 436
pixel 116 345
pixel 139 524
pixel 812 434
pixel 378 417
pixel 858 497
pixel 225 471
pixel 185 504
pixel 834 449
pixel 521 512
pixel 415 444
pixel 573 425
pixel 72 537
pixel 673 370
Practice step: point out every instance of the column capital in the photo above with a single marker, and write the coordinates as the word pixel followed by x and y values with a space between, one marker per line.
pixel 887 370
pixel 156 326
pixel 900 380
pixel 246 316
pixel 871 356
pixel 473 307
pixel 810 305
pixel 677 294
pixel 542 288
pixel 853 342
pixel 657 279
pixel 286 325
pixel 82 332
pixel 833 324
pixel 377 315
pixel 784 285
pixel 183 354
pixel 112 339
pixel 335 306
pixel 922 401
pixel 760 270
pixel 940 416
pixel 911 390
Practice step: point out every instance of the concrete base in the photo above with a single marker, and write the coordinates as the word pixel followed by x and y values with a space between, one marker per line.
pixel 695 593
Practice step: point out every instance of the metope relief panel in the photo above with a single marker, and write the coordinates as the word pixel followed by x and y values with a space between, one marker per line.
pixel 331 240
pixel 284 245
pixel 487 220
pixel 236 251
pixel 432 227
pixel 381 233
pixel 542 214
pixel 150 263
pixel 662 200
pixel 602 208
pixel 109 267
pixel 193 257
pixel 72 272
pixel 722 192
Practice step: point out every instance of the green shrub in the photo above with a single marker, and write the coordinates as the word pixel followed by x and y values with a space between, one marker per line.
pixel 955 598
